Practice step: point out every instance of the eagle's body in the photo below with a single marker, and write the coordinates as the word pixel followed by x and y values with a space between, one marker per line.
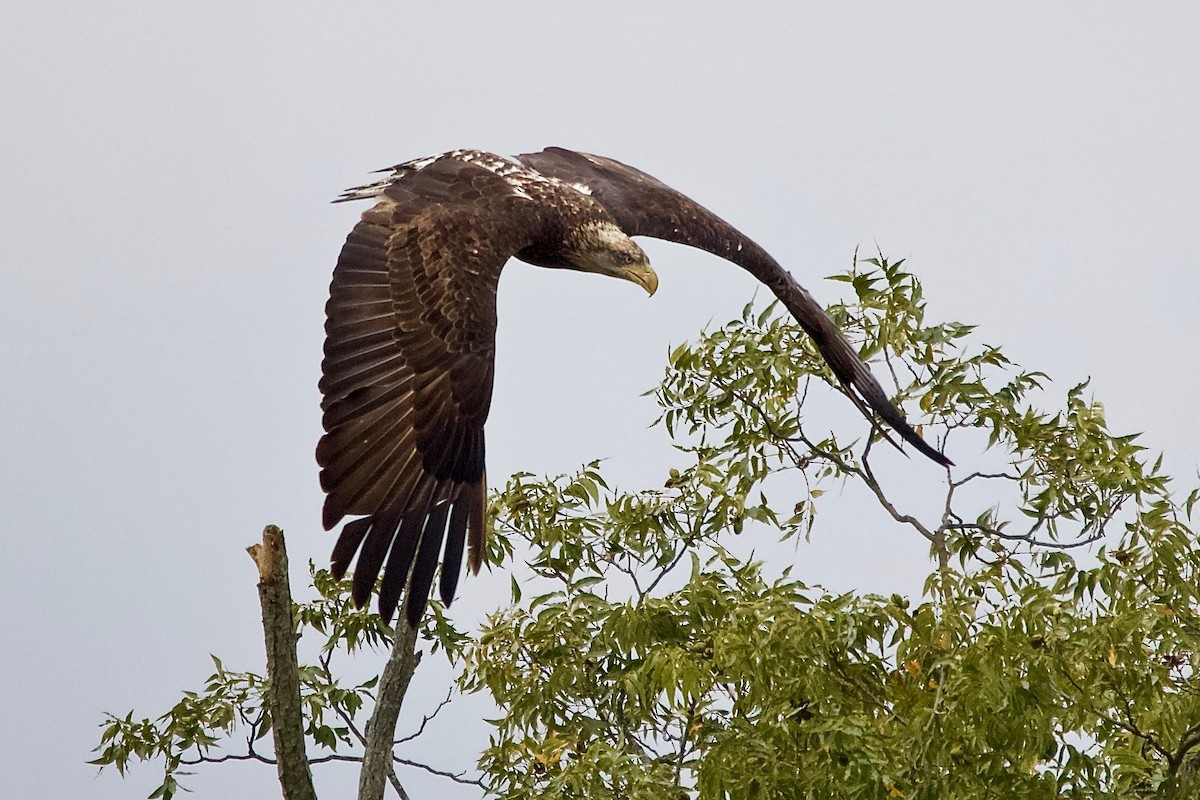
pixel 410 339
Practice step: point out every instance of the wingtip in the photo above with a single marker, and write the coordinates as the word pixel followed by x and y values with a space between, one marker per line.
pixel 926 449
pixel 939 458
pixel 923 447
pixel 868 396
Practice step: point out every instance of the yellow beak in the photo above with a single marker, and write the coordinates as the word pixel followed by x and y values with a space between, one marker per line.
pixel 643 276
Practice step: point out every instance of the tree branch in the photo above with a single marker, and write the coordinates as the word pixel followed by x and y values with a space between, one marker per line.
pixel 283 697
pixel 457 777
pixel 381 730
pixel 425 720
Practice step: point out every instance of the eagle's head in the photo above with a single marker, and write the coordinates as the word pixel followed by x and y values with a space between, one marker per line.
pixel 604 248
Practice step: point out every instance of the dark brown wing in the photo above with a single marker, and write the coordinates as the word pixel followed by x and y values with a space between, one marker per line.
pixel 644 206
pixel 407 377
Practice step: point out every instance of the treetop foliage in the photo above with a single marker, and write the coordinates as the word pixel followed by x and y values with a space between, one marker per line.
pixel 1052 653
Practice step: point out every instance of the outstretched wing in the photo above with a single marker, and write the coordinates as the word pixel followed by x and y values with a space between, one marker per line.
pixel 407 375
pixel 644 206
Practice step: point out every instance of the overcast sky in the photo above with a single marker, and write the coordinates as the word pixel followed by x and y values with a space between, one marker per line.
pixel 167 245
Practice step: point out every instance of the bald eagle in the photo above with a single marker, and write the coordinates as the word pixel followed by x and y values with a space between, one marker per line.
pixel 410 339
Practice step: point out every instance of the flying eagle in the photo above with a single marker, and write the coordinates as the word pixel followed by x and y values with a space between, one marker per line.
pixel 411 329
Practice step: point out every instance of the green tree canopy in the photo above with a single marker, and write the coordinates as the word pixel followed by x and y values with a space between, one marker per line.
pixel 1052 653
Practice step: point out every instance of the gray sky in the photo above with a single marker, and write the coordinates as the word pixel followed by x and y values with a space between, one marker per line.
pixel 166 170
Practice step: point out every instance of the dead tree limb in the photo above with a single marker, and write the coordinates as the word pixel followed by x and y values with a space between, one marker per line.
pixel 283 699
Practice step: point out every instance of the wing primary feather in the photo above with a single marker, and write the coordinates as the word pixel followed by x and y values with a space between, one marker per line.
pixel 425 564
pixel 347 545
pixel 414 504
pixel 370 557
pixel 395 573
pixel 477 509
pixel 456 537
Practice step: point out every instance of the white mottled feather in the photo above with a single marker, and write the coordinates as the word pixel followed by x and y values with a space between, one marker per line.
pixel 519 176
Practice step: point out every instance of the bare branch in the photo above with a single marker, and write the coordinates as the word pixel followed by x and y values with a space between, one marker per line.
pixel 666 570
pixel 457 777
pixel 868 477
pixel 398 787
pixel 252 756
pixel 227 757
pixel 986 476
pixel 425 720
pixel 283 697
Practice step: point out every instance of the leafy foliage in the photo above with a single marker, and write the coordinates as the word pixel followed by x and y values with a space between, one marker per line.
pixel 233 704
pixel 1021 673
pixel 1053 652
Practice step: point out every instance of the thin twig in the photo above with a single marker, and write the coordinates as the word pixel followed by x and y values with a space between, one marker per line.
pixel 457 777
pixel 425 720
